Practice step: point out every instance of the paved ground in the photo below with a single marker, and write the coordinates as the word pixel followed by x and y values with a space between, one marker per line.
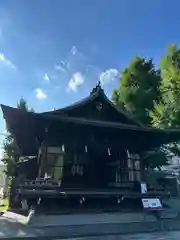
pixel 13 230
pixel 67 225
pixel 152 236
pixel 78 225
pixel 86 219
pixel 14 225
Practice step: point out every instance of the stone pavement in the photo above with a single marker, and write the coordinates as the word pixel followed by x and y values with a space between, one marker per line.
pixel 15 225
pixel 102 225
pixel 158 236
pixel 87 219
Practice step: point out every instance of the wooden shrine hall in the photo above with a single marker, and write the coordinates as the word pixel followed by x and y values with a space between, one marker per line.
pixel 90 148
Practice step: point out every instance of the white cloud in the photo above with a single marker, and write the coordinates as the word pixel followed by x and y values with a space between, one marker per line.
pixel 60 68
pixel 76 80
pixel 6 61
pixel 40 94
pixel 109 76
pixel 46 77
pixel 74 50
pixel 75 61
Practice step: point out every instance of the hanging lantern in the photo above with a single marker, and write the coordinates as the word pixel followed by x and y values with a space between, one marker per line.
pixel 63 148
pixel 86 149
pixel 109 152
pixel 39 200
pixel 59 183
pixel 82 200
pixel 128 154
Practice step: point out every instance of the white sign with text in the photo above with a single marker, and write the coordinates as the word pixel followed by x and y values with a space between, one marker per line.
pixel 151 204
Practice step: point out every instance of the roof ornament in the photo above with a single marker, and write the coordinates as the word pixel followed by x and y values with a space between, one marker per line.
pixel 97 88
pixel 99 84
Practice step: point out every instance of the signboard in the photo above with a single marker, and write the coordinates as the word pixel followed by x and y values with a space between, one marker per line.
pixel 152 204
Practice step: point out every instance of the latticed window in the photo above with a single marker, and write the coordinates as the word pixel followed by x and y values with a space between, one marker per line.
pixel 134 167
pixel 121 172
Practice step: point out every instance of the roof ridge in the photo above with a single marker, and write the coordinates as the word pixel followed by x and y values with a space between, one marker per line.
pixel 76 104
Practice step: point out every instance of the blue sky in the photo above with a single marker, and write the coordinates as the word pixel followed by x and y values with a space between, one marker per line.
pixel 52 53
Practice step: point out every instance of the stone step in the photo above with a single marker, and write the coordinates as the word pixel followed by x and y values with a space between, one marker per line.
pixel 167 214
pixel 88 219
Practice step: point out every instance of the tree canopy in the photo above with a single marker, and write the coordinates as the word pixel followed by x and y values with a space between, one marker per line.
pixel 153 96
pixel 166 113
pixel 139 88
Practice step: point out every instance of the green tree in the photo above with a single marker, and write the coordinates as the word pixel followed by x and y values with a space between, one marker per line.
pixel 138 91
pixel 155 158
pixel 166 112
pixel 139 88
pixel 11 152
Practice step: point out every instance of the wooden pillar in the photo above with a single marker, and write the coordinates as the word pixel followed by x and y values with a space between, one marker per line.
pixel 143 171
pixel 42 158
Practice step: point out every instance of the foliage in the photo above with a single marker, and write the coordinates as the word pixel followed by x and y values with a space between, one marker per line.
pixel 138 93
pixel 166 113
pixel 139 88
pixel 11 152
pixel 156 158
